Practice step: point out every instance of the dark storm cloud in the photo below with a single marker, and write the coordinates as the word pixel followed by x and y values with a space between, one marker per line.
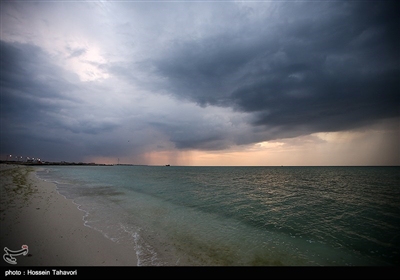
pixel 39 103
pixel 238 73
pixel 312 67
pixel 202 135
pixel 30 83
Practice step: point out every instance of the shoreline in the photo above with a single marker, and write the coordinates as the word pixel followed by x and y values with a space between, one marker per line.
pixel 33 213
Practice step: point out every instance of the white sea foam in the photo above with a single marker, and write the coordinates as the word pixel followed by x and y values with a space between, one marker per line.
pixel 241 215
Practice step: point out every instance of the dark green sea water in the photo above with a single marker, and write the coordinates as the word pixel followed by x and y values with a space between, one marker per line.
pixel 241 216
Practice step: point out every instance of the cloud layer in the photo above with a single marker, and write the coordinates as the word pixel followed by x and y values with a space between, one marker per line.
pixel 110 79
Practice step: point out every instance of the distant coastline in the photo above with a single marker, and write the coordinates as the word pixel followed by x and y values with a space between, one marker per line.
pixel 56 163
pixel 41 163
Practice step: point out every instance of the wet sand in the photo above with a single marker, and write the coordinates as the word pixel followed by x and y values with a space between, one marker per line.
pixel 33 213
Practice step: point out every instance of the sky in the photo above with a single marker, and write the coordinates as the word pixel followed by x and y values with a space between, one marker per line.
pixel 201 82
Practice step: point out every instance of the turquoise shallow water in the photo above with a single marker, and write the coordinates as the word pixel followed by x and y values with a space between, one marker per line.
pixel 235 216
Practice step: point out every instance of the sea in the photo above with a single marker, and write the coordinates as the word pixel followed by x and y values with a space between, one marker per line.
pixel 240 216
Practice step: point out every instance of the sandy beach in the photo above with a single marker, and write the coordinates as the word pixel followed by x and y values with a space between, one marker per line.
pixel 33 213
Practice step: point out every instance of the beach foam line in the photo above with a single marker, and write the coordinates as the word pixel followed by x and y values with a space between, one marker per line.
pixel 36 215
